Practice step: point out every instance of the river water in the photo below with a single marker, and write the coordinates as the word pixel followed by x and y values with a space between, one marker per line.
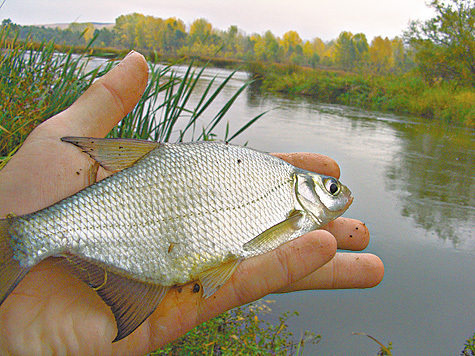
pixel 414 187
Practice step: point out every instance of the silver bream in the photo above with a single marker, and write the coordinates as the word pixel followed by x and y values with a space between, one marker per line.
pixel 172 214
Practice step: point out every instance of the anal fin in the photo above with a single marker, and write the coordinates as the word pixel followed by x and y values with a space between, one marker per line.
pixel 214 278
pixel 277 234
pixel 131 301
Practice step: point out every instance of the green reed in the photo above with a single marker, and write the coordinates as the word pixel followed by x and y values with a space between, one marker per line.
pixel 36 83
pixel 165 112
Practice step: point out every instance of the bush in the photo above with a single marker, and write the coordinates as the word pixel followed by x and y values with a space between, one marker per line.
pixel 403 94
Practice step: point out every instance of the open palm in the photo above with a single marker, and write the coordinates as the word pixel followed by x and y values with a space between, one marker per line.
pixel 52 312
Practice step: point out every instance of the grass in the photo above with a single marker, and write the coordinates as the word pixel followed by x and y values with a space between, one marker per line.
pixel 36 83
pixel 469 347
pixel 164 113
pixel 407 94
pixel 241 331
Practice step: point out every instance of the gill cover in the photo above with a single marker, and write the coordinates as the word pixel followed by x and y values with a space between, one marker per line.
pixel 324 197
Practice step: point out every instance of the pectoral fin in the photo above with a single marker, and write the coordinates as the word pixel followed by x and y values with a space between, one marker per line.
pixel 114 154
pixel 277 234
pixel 131 302
pixel 214 278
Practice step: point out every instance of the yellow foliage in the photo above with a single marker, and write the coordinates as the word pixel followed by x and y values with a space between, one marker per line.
pixel 381 54
pixel 200 28
pixel 290 40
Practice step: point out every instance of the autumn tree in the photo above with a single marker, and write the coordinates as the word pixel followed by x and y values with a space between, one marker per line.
pixel 351 50
pixel 84 30
pixel 267 47
pixel 381 55
pixel 172 35
pixel 200 30
pixel 399 53
pixel 445 44
pixel 125 29
pixel 311 54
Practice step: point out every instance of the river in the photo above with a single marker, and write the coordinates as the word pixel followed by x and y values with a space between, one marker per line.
pixel 414 187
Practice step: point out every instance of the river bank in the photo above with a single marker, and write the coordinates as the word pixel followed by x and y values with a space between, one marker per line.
pixel 406 94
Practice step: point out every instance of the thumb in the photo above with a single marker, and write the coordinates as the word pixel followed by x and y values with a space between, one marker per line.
pixel 107 100
pixel 43 170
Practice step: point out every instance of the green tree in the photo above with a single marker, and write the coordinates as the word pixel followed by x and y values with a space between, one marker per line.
pixel 105 37
pixel 126 29
pixel 351 50
pixel 445 44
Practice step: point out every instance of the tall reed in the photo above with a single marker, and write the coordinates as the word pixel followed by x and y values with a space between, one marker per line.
pixel 36 83
pixel 166 113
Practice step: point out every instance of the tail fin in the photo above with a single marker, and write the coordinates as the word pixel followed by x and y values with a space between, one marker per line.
pixel 11 273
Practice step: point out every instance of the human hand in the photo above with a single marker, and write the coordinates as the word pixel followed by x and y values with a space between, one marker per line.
pixel 52 312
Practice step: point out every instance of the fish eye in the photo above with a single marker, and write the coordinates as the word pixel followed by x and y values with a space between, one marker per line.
pixel 332 186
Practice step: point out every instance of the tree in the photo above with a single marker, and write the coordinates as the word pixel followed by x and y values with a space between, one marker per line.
pixel 105 37
pixel 290 41
pixel 449 38
pixel 350 50
pixel 174 35
pixel 86 30
pixel 399 53
pixel 125 29
pixel 381 55
pixel 200 30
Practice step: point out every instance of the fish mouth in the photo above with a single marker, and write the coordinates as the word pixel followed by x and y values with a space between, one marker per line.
pixel 350 200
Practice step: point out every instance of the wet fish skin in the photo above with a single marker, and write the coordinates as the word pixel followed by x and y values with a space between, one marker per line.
pixel 174 213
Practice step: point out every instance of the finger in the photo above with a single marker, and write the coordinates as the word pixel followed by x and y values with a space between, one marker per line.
pixel 350 234
pixel 312 162
pixel 285 265
pixel 345 270
pixel 264 274
pixel 106 101
pixel 254 278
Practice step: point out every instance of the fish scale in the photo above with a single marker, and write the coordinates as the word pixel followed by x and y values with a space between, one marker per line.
pixel 172 214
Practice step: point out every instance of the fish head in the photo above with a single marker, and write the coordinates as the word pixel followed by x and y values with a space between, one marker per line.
pixel 324 197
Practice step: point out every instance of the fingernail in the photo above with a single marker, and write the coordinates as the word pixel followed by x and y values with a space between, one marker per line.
pixel 130 53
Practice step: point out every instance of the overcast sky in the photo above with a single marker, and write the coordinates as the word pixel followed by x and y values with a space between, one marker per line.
pixel 310 18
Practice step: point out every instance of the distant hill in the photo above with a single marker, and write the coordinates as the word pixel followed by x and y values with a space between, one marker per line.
pixel 63 26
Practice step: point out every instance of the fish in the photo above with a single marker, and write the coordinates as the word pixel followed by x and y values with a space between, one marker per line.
pixel 170 214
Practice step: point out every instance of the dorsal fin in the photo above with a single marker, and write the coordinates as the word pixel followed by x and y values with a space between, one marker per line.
pixel 114 154
pixel 131 301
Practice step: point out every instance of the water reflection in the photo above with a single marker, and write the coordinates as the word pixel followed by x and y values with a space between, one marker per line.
pixel 434 178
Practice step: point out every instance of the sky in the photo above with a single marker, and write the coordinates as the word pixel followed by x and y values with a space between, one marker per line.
pixel 310 18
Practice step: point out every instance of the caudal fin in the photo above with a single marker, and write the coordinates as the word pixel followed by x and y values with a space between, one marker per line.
pixel 11 273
